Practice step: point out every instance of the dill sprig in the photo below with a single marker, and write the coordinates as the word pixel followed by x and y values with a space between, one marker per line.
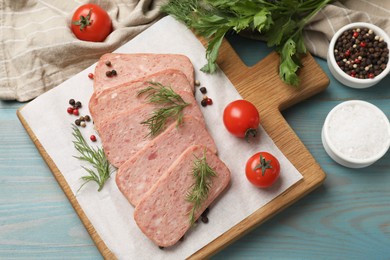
pixel 199 191
pixel 171 106
pixel 96 157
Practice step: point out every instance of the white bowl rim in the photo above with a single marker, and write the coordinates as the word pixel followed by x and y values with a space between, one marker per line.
pixel 378 31
pixel 342 156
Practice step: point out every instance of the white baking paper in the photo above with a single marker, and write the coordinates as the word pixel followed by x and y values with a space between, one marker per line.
pixel 109 212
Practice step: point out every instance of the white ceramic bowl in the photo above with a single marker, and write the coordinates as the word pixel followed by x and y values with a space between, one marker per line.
pixel 356 134
pixel 343 77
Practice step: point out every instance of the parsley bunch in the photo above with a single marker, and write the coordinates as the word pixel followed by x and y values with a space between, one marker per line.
pixel 280 22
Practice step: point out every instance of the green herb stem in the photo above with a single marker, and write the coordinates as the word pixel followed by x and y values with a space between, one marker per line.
pixel 171 105
pixel 199 191
pixel 100 171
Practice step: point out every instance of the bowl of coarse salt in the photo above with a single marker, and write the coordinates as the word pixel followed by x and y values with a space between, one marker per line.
pixel 358 55
pixel 356 134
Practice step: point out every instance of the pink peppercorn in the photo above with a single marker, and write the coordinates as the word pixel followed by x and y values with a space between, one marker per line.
pixel 93 138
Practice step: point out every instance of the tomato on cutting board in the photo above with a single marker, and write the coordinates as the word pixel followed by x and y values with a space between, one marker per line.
pixel 241 118
pixel 91 23
pixel 262 169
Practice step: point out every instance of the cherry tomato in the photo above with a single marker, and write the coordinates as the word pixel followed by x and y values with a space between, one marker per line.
pixel 241 118
pixel 262 169
pixel 91 23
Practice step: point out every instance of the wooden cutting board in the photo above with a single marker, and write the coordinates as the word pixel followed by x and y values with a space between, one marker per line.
pixel 261 85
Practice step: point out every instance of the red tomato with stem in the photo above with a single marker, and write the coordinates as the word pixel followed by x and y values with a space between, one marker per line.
pixel 241 118
pixel 91 23
pixel 262 169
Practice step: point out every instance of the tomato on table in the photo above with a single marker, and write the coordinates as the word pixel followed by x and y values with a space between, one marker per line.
pixel 92 23
pixel 241 118
pixel 262 169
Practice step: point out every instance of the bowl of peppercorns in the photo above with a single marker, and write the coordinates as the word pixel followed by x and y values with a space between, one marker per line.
pixel 358 55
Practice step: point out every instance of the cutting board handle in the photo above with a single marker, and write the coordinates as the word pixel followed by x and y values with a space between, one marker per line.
pixel 261 84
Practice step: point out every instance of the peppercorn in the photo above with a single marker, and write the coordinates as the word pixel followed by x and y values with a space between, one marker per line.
pixel 82 118
pixel 75 112
pixel 82 124
pixel 77 122
pixel 78 104
pixel 197 83
pixel 93 138
pixel 70 110
pixel 209 101
pixel 87 118
pixel 109 73
pixel 113 73
pixel 203 102
pixel 90 75
pixel 358 52
pixel 203 90
pixel 205 219
pixel 72 102
pixel 108 63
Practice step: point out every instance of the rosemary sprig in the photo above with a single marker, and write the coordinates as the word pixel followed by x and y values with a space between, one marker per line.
pixel 100 172
pixel 199 191
pixel 170 103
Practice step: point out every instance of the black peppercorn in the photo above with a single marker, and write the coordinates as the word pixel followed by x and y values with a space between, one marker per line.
pixel 72 102
pixel 203 90
pixel 108 63
pixel 204 102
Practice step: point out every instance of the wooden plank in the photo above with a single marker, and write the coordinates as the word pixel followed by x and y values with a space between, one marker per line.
pixel 261 85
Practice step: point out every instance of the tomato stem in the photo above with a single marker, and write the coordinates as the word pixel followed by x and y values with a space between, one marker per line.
pixel 84 20
pixel 250 132
pixel 263 165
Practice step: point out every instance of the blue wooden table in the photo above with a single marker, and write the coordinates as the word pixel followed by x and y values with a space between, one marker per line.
pixel 348 217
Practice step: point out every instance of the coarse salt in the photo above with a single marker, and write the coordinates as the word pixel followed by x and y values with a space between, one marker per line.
pixel 358 130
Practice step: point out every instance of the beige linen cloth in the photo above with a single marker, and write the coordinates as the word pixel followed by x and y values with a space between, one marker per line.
pixel 38 51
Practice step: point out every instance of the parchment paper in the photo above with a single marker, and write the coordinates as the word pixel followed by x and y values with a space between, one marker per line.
pixel 108 210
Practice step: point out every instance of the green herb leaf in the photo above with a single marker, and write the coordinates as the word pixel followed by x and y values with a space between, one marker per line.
pixel 212 52
pixel 262 20
pixel 199 191
pixel 171 105
pixel 281 21
pixel 100 172
pixel 288 68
